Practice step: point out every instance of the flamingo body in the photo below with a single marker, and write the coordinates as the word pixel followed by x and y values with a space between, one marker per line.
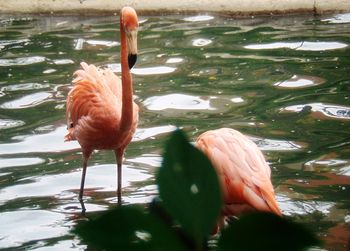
pixel 94 110
pixel 243 172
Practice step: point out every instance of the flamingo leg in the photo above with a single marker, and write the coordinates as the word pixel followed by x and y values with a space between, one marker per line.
pixel 82 182
pixel 119 189
pixel 119 156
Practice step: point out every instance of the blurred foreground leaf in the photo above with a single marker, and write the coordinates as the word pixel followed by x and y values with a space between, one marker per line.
pixel 128 228
pixel 266 231
pixel 189 187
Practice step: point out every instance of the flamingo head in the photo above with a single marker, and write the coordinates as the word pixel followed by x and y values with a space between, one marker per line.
pixel 130 24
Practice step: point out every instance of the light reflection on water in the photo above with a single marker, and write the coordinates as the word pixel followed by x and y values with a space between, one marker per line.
pixel 48 142
pixel 199 18
pixel 300 82
pixel 144 71
pixel 282 81
pixel 100 179
pixel 152 133
pixel 178 102
pixel 339 19
pixel 32 224
pixel 299 46
pixel 26 101
pixel 290 207
pixel 326 110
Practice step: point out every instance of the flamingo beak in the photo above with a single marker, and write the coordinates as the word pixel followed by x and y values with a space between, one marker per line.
pixel 132 60
pixel 131 36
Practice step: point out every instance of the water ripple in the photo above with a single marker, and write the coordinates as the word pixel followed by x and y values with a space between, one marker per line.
pixel 225 55
pixel 63 61
pixel 199 18
pixel 153 70
pixel 297 81
pixel 33 225
pixel 102 43
pixel 329 111
pixel 48 142
pixel 5 43
pixel 156 70
pixel 24 87
pixel 150 133
pixel 9 123
pixel 174 60
pixel 142 195
pixel 12 162
pixel 153 160
pixel 27 101
pixel 277 145
pixel 49 71
pixel 102 179
pixel 321 164
pixel 93 44
pixel 290 207
pixel 199 42
pixel 345 171
pixel 177 101
pixel 22 61
pixel 339 19
pixel 299 46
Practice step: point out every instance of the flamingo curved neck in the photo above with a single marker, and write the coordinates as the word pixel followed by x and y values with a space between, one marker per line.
pixel 127 89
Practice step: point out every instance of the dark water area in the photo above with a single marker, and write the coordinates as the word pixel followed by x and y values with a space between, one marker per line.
pixel 283 81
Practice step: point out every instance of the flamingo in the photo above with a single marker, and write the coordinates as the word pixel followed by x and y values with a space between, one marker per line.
pixel 244 175
pixel 101 113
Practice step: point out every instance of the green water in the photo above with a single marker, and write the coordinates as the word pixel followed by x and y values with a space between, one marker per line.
pixel 284 82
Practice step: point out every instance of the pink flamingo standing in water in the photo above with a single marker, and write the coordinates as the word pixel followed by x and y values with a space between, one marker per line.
pixel 101 113
pixel 243 172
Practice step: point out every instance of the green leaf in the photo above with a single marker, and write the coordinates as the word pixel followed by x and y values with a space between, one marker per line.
pixel 128 228
pixel 189 187
pixel 266 231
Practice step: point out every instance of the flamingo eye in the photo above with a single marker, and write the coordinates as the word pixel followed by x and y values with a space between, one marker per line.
pixel 71 125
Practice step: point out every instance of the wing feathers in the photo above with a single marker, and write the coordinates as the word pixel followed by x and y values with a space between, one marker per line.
pixel 94 102
pixel 241 167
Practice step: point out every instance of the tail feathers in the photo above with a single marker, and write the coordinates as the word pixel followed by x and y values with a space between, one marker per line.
pixel 270 199
pixel 94 75
pixel 89 73
pixel 69 136
pixel 261 199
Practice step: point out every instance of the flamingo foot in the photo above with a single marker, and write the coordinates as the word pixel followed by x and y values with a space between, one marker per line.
pixel 83 208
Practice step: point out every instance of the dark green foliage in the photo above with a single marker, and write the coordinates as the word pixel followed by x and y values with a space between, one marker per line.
pixel 129 228
pixel 265 231
pixel 186 213
pixel 189 187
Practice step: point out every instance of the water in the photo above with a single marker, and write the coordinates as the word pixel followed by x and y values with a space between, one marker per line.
pixel 282 81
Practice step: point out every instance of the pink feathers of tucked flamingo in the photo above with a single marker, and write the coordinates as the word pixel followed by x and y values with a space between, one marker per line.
pixel 243 172
pixel 101 113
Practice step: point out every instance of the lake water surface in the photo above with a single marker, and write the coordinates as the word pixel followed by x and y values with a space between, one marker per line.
pixel 283 81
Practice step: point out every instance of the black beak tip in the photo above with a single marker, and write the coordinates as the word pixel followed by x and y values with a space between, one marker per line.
pixel 132 60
